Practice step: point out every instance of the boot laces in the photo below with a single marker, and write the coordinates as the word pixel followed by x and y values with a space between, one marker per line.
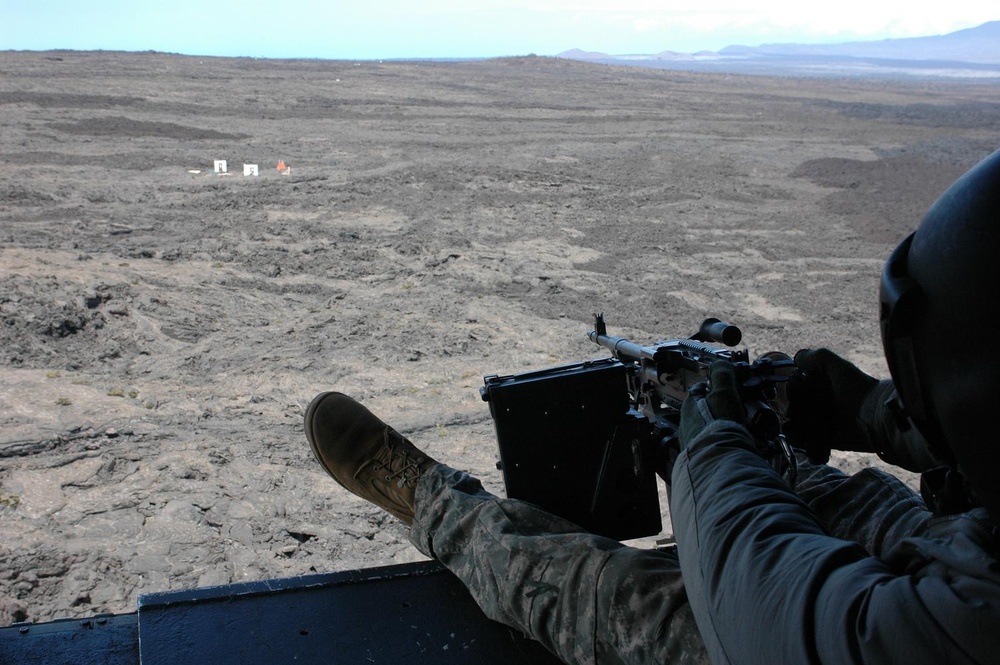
pixel 402 465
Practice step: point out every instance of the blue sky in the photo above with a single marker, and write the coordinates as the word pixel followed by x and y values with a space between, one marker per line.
pixel 375 29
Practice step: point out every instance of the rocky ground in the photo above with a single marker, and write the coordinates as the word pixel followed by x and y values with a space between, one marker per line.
pixel 163 329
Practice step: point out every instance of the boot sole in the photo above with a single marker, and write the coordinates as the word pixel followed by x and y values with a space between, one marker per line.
pixel 310 412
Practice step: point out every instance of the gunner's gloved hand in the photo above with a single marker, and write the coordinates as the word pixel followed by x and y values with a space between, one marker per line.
pixel 718 400
pixel 834 405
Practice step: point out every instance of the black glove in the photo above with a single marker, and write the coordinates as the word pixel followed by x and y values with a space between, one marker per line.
pixel 719 400
pixel 833 405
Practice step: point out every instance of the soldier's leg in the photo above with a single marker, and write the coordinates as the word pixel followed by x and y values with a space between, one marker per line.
pixel 588 599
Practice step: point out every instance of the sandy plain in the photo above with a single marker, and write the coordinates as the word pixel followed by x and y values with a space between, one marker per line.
pixel 163 329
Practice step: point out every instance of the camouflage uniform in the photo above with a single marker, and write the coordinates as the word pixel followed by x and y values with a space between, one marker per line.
pixel 589 599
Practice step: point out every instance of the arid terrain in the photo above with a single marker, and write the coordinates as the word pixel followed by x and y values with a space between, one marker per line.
pixel 163 327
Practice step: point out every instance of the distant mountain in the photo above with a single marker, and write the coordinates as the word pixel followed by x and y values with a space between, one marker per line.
pixel 976 45
pixel 577 54
pixel 974 52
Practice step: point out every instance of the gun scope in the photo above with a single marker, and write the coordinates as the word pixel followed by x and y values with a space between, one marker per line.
pixel 717 330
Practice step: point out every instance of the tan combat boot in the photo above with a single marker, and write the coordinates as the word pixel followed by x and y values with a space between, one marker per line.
pixel 363 454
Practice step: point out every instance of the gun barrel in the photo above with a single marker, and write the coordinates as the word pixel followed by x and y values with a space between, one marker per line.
pixel 621 347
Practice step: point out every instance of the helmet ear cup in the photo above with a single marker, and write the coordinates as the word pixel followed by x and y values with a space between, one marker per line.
pixel 899 311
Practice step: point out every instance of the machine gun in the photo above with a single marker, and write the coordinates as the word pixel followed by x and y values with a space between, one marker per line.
pixel 585 441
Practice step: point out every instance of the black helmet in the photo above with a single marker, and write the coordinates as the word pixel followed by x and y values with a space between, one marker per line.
pixel 940 304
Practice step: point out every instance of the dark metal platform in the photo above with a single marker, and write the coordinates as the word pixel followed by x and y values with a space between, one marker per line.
pixel 417 613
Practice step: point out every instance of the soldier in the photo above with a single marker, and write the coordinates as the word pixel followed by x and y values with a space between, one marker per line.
pixel 844 569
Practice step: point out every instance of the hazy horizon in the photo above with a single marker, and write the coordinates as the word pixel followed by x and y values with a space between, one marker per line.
pixel 390 29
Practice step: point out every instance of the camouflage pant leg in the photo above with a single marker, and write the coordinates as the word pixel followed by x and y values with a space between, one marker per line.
pixel 871 507
pixel 586 598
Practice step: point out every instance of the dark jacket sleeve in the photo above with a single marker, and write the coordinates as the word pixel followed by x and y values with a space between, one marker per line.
pixel 768 585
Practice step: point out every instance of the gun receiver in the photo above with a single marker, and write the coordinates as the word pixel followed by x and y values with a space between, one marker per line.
pixel 660 376
pixel 585 441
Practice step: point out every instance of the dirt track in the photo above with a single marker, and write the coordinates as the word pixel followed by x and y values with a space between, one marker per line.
pixel 162 331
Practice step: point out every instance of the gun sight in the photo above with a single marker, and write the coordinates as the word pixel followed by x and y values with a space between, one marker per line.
pixel 717 330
